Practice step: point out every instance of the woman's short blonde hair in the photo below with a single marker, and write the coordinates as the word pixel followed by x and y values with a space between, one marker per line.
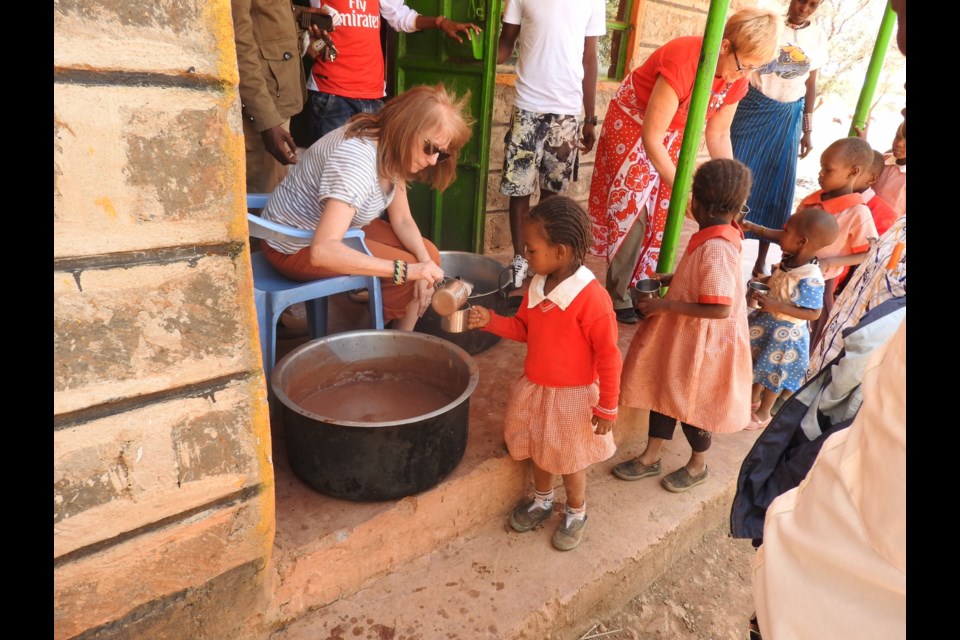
pixel 754 33
pixel 403 125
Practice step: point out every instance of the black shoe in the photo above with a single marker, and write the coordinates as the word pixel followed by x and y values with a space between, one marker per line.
pixel 627 316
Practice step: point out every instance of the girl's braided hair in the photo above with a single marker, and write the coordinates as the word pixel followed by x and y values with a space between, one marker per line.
pixel 722 185
pixel 564 222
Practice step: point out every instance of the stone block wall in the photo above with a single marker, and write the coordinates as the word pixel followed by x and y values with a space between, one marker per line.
pixel 163 483
pixel 656 22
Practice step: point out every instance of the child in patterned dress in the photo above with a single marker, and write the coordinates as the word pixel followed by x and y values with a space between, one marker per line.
pixel 690 358
pixel 779 337
pixel 561 409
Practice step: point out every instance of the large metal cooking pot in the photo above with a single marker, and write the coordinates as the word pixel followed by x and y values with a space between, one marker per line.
pixel 374 460
pixel 491 284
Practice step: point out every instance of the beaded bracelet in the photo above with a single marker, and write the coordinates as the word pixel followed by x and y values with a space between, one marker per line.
pixel 807 122
pixel 439 20
pixel 399 272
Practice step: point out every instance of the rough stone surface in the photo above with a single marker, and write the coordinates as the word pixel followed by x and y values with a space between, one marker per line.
pixel 128 331
pixel 157 567
pixel 192 38
pixel 156 167
pixel 112 475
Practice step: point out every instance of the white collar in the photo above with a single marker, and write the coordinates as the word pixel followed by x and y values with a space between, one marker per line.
pixel 564 293
pixel 868 194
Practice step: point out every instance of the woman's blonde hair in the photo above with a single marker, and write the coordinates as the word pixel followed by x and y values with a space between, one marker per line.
pixel 403 125
pixel 754 33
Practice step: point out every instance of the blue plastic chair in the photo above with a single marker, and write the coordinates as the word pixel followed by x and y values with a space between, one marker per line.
pixel 273 292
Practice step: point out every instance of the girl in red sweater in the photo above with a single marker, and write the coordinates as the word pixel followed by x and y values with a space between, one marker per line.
pixel 561 410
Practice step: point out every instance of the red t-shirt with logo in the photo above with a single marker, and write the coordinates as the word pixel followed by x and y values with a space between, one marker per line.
pixel 358 71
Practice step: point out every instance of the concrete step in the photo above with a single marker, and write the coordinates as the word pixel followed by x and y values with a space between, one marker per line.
pixel 491 582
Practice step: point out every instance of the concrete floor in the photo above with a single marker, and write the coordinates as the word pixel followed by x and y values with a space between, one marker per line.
pixel 357 569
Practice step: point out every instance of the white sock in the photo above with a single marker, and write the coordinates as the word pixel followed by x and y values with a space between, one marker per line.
pixel 542 500
pixel 576 514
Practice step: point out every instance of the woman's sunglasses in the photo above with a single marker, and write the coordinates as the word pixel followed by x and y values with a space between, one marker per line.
pixel 430 149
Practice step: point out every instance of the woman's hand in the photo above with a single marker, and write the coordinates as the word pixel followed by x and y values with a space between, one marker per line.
pixel 602 427
pixel 806 144
pixel 423 292
pixel 649 307
pixel 478 317
pixel 428 271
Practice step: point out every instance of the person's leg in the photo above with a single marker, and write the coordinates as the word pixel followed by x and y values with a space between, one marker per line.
pixel 756 392
pixel 521 156
pixel 519 207
pixel 700 441
pixel 648 463
pixel 695 471
pixel 529 514
pixel 569 532
pixel 329 112
pixel 575 486
pixel 766 403
pixel 622 264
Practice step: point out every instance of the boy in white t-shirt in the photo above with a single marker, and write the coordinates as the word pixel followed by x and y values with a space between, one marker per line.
pixel 556 74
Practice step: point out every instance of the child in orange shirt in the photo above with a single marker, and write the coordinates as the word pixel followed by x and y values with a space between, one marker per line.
pixel 561 409
pixel 690 359
pixel 841 166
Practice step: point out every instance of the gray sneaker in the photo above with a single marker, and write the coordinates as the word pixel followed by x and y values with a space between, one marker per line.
pixel 635 470
pixel 569 534
pixel 527 516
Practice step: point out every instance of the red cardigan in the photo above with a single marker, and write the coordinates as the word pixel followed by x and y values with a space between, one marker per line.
pixel 572 347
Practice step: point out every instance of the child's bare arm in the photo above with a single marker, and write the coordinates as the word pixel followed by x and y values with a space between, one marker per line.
pixel 655 306
pixel 665 279
pixel 764 233
pixel 842 261
pixel 776 306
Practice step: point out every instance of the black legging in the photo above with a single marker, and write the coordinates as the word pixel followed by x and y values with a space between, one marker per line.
pixel 662 426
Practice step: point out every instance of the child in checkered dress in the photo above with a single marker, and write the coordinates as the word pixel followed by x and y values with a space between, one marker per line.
pixel 561 409
pixel 690 359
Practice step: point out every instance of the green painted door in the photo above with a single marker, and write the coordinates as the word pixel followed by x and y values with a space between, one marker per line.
pixel 454 219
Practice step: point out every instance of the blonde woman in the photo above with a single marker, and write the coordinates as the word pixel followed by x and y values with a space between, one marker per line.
pixel 640 142
pixel 352 175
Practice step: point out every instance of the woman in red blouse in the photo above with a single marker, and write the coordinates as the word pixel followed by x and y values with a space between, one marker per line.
pixel 641 137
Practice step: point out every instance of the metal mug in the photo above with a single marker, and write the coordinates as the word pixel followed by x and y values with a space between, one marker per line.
pixel 451 294
pixel 757 286
pixel 456 322
pixel 648 288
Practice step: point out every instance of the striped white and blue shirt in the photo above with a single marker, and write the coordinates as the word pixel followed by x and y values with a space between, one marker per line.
pixel 334 167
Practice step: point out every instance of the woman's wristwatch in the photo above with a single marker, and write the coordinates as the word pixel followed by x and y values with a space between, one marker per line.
pixel 591 120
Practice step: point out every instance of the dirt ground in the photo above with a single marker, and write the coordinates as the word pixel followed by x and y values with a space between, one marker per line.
pixel 706 596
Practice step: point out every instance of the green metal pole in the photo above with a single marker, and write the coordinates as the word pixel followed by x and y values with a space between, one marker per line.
pixel 873 71
pixel 712 36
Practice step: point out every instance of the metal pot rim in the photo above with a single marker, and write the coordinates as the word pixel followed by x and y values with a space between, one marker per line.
pixel 457 352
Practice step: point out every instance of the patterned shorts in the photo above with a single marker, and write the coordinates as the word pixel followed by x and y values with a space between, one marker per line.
pixel 539 144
